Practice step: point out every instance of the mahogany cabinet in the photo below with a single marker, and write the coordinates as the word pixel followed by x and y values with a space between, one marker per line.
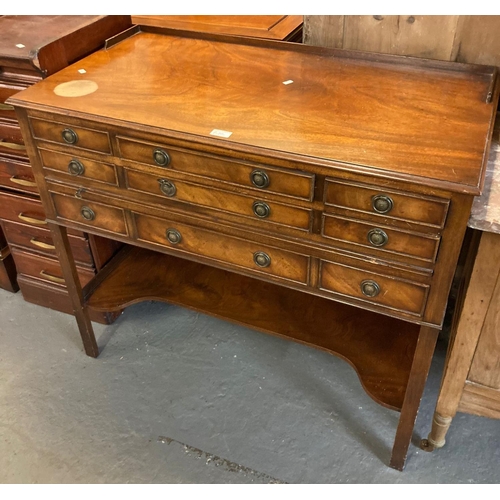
pixel 276 27
pixel 317 194
pixel 32 48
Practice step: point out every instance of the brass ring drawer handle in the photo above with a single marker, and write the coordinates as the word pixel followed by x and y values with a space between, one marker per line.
pixel 69 136
pixel 41 244
pixel 161 157
pixel 12 145
pixel 22 182
pixel 32 220
pixel 167 187
pixel 87 213
pixel 76 167
pixel 370 288
pixel 382 203
pixel 260 179
pixel 51 277
pixel 6 107
pixel 261 259
pixel 261 209
pixel 174 236
pixel 377 237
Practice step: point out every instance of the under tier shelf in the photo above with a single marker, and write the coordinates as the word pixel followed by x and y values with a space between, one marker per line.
pixel 380 348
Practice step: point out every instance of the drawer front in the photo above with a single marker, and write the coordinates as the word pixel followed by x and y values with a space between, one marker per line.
pixel 45 268
pixel 224 249
pixel 392 293
pixel 386 203
pixel 259 177
pixel 91 214
pixel 6 90
pixel 71 136
pixel 29 211
pixel 10 132
pixel 169 188
pixel 76 166
pixel 39 239
pixel 17 175
pixel 18 208
pixel 373 237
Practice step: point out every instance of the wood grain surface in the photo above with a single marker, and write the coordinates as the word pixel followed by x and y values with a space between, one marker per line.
pixel 333 104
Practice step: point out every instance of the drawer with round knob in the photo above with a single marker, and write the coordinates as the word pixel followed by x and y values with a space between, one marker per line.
pixel 170 187
pixel 385 291
pixel 90 214
pixel 71 136
pixel 370 237
pixel 226 250
pixel 386 203
pixel 75 165
pixel 261 178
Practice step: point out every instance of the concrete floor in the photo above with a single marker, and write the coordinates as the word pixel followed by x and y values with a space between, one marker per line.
pixel 179 397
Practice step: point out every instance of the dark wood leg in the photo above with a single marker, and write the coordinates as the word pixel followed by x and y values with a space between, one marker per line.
pixel 61 242
pixel 418 375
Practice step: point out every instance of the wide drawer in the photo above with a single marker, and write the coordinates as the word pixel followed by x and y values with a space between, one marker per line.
pixel 10 132
pixel 71 136
pixel 77 166
pixel 386 203
pixel 378 237
pixel 45 268
pixel 19 208
pixel 387 291
pixel 261 177
pixel 17 175
pixel 224 249
pixel 39 239
pixel 91 214
pixel 6 90
pixel 253 207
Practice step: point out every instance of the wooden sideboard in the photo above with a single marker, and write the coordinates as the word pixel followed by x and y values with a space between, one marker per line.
pixel 32 48
pixel 317 194
pixel 288 28
pixel 471 379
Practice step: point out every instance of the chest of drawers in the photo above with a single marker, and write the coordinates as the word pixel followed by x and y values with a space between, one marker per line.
pixel 32 48
pixel 312 193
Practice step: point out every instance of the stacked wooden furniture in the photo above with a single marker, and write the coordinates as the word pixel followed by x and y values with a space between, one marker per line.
pixel 471 380
pixel 32 48
pixel 312 193
pixel 287 28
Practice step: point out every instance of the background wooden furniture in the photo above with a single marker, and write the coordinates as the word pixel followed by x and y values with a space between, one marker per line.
pixel 471 380
pixel 472 39
pixel 319 226
pixel 287 28
pixel 32 48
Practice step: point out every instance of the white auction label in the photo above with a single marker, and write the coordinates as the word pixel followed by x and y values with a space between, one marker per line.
pixel 221 133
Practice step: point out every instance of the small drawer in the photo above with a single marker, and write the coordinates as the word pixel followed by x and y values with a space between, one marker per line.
pixel 21 209
pixel 45 268
pixel 386 203
pixel 90 214
pixel 39 240
pixel 378 237
pixel 392 293
pixel 7 90
pixel 10 133
pixel 77 166
pixel 266 211
pixel 17 175
pixel 259 177
pixel 223 249
pixel 71 136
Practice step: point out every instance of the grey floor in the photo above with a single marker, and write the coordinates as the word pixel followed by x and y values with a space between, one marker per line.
pixel 179 397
